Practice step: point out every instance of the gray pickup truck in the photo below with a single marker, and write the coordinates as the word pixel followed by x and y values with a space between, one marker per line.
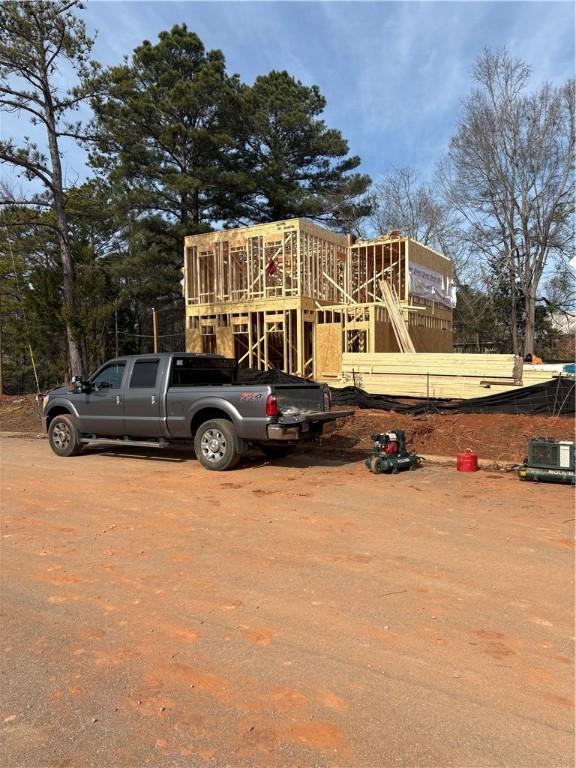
pixel 162 399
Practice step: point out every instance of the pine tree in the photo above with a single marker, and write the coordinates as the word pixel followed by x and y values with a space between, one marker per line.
pixel 164 129
pixel 35 39
pixel 297 166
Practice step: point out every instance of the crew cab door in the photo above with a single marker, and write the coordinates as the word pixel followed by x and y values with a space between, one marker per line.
pixel 143 398
pixel 101 410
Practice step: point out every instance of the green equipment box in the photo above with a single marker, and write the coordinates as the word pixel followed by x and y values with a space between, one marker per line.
pixel 549 461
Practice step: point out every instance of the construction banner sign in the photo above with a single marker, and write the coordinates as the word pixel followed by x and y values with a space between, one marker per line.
pixel 431 285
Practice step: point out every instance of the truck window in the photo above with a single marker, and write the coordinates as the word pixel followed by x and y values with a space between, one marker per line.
pixel 109 377
pixel 198 372
pixel 144 374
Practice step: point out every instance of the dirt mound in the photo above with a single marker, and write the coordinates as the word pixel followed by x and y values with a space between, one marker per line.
pixel 499 437
pixel 19 413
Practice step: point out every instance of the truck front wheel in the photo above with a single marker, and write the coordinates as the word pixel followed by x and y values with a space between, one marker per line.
pixel 215 445
pixel 63 436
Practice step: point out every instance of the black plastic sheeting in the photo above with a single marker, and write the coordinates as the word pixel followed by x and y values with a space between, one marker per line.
pixel 553 398
pixel 273 376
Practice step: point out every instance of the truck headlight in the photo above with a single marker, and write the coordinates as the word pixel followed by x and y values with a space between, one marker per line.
pixel 45 401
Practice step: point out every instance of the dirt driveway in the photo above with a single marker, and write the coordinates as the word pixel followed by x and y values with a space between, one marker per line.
pixel 155 614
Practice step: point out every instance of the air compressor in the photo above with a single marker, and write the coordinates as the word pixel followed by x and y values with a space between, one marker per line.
pixel 389 453
pixel 549 461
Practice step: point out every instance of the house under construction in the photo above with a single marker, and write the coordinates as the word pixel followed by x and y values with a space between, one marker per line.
pixel 296 296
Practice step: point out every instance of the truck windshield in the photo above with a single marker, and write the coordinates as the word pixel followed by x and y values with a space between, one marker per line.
pixel 199 371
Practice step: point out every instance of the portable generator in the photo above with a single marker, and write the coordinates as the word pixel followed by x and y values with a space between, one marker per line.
pixel 549 461
pixel 389 453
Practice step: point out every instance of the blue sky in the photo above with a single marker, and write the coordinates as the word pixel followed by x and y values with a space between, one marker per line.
pixel 393 73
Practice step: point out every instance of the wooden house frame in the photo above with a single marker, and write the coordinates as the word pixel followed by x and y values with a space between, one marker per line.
pixel 252 293
pixel 296 296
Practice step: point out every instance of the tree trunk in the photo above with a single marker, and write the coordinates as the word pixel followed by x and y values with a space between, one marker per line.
pixel 513 312
pixel 74 351
pixel 530 322
pixel 196 207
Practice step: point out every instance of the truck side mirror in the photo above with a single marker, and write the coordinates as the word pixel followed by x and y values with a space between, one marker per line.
pixel 77 385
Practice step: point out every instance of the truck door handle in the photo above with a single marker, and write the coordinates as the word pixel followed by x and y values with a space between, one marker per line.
pixel 153 399
pixel 117 399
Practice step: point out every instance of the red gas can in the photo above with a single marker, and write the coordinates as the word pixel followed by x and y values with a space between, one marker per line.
pixel 467 461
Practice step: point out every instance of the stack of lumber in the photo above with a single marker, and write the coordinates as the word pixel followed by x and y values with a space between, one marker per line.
pixel 534 375
pixel 442 375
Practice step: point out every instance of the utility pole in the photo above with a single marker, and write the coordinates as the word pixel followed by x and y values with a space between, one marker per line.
pixel 155 329
pixel 116 331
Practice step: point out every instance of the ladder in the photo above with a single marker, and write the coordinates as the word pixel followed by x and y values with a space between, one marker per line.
pixel 399 325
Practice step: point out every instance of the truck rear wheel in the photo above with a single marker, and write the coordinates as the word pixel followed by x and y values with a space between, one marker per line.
pixel 215 445
pixel 63 436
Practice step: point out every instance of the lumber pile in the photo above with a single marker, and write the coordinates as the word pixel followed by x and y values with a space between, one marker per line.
pixel 531 375
pixel 436 374
pixel 401 332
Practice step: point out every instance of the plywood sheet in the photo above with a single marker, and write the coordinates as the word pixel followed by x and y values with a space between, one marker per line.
pixel 193 340
pixel 431 339
pixel 384 338
pixel 426 257
pixel 328 348
pixel 225 341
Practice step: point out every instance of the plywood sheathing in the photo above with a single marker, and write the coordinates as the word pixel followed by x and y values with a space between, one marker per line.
pixel 328 348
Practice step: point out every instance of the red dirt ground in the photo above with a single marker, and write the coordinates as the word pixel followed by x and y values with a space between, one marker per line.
pixel 19 414
pixel 502 438
pixel 292 614
pixel 499 437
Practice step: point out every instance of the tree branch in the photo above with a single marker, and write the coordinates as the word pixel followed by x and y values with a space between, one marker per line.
pixel 40 172
pixel 16 107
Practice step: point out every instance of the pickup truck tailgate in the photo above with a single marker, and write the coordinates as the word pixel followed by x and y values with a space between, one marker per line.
pixel 308 398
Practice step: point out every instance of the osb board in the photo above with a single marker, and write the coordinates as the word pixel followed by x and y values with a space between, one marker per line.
pixel 426 257
pixel 327 348
pixel 384 338
pixel 193 340
pixel 225 341
pixel 430 339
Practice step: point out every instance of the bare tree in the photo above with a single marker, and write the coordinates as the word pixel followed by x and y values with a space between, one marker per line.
pixel 510 174
pixel 401 201
pixel 35 39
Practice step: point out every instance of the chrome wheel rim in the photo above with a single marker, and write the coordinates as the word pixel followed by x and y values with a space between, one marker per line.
pixel 61 435
pixel 213 445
